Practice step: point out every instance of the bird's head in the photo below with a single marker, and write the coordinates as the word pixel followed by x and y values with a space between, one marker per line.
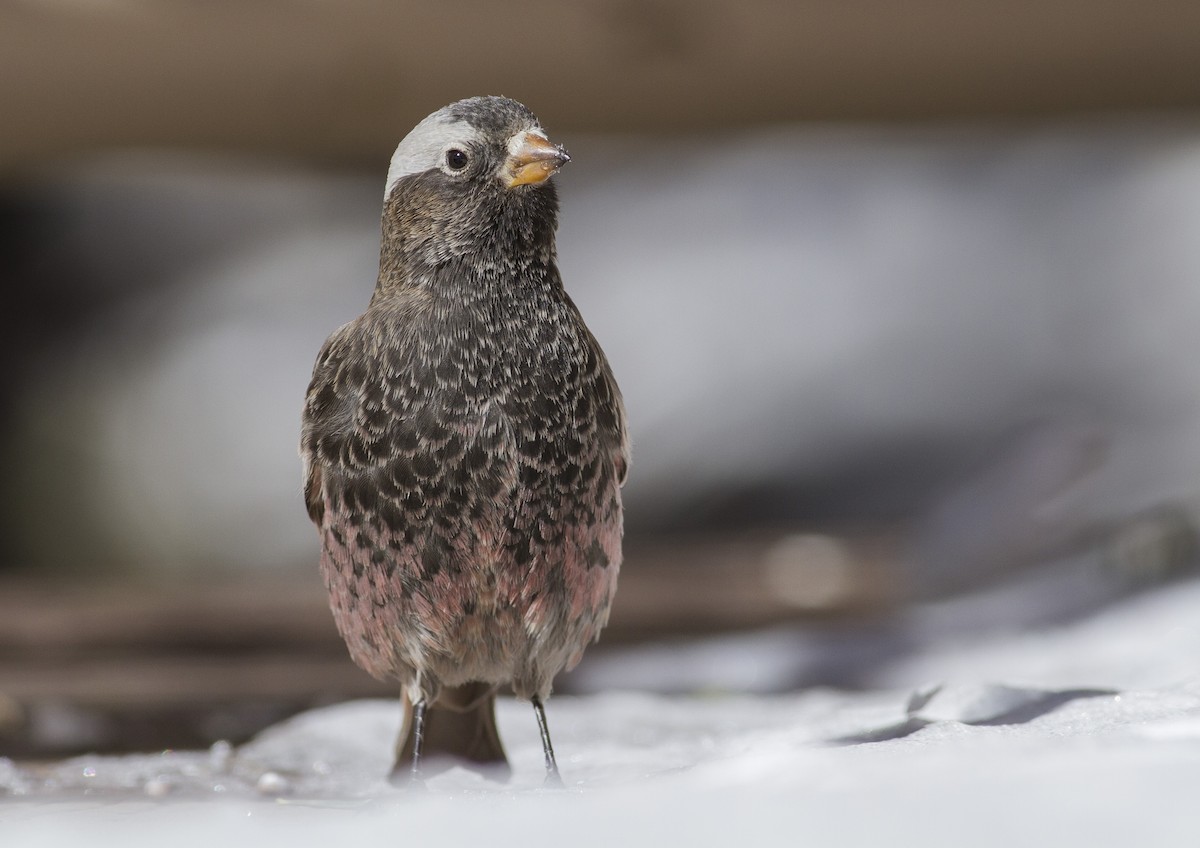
pixel 466 169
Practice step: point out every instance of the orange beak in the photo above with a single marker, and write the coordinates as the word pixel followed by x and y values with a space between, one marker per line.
pixel 532 159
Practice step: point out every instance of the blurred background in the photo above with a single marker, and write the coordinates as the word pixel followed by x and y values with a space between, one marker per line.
pixel 903 298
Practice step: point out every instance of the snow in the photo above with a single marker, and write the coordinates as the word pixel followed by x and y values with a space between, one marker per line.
pixel 1074 734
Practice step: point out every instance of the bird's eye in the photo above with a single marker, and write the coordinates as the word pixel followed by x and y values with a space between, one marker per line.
pixel 456 159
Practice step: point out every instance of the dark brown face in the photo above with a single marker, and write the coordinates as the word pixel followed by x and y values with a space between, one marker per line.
pixel 469 172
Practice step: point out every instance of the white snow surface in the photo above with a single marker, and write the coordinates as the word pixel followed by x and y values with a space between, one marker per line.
pixel 1077 734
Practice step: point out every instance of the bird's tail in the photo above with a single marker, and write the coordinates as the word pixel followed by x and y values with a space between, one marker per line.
pixel 460 729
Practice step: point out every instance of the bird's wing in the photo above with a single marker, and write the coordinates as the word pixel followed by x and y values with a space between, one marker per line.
pixel 625 449
pixel 328 409
pixel 372 430
pixel 611 423
pixel 618 430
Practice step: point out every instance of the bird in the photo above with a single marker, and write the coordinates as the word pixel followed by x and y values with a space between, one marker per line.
pixel 464 444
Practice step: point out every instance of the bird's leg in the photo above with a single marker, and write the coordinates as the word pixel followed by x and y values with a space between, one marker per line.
pixel 553 778
pixel 418 719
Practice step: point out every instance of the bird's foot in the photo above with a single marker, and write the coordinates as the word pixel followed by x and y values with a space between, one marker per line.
pixel 408 780
pixel 553 780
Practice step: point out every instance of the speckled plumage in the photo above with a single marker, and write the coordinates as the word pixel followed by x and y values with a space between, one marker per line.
pixel 464 439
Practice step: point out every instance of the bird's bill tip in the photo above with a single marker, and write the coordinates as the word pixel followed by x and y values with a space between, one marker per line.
pixel 532 159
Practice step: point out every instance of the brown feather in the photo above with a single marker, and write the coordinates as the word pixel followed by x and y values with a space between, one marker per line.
pixel 465 444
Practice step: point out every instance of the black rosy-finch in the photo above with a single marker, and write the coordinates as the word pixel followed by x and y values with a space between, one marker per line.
pixel 464 442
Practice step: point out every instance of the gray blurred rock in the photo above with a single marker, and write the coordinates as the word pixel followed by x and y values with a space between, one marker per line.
pixel 834 324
